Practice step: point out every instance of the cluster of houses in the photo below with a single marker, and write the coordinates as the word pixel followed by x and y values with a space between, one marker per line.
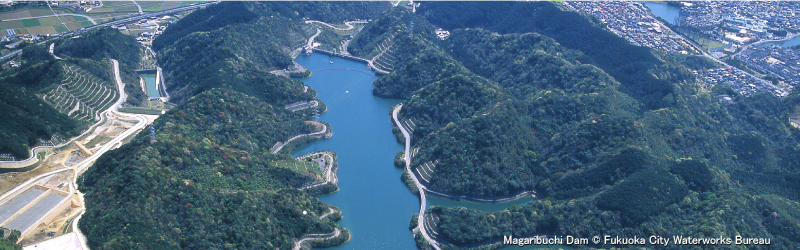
pixel 84 6
pixel 631 21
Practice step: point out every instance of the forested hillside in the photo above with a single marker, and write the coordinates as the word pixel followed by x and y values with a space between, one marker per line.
pixel 35 108
pixel 208 180
pixel 614 138
pixel 234 45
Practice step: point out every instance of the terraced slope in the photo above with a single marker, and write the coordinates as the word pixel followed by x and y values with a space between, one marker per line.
pixel 80 95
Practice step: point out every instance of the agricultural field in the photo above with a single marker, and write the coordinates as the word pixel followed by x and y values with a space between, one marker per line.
pixel 81 95
pixel 41 20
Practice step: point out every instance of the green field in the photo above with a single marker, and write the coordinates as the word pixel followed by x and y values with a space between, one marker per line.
pixel 31 23
pixel 80 18
pixel 49 21
pixel 61 28
pixel 86 24
pixel 706 43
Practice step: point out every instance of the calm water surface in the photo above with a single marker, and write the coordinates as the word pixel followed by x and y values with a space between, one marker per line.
pixel 664 11
pixel 789 43
pixel 150 81
pixel 376 205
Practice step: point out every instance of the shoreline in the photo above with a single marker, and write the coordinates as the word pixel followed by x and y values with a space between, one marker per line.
pixel 407 157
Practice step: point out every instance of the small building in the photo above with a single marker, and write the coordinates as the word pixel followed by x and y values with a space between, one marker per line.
pixel 13 45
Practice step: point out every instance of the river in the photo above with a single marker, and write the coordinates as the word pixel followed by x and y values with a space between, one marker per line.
pixel 667 12
pixel 788 43
pixel 376 205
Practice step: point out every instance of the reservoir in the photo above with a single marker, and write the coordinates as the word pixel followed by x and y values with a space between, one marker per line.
pixel 376 206
pixel 667 12
pixel 150 81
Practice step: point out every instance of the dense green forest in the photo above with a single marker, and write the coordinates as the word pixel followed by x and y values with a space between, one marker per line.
pixel 234 45
pixel 10 242
pixel 28 117
pixel 208 180
pixel 614 138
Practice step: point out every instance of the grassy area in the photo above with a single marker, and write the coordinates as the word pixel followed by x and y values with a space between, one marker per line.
pixel 30 23
pixel 86 24
pixel 80 18
pixel 157 104
pixel 49 21
pixel 61 28
pixel 706 43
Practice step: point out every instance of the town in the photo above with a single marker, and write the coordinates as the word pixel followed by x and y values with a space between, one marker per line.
pixel 722 30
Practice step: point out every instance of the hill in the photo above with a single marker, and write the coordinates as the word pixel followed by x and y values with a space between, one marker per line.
pixel 46 97
pixel 217 183
pixel 235 45
pixel 583 118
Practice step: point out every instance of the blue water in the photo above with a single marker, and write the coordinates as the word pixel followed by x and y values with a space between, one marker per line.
pixel 150 81
pixel 664 11
pixel 376 206
pixel 789 43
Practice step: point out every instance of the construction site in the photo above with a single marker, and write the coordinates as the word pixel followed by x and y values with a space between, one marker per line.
pixel 41 200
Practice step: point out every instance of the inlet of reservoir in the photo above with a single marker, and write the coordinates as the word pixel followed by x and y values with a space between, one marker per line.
pixel 376 205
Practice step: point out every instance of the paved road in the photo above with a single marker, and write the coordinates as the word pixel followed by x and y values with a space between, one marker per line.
pixel 142 121
pixel 138 6
pixel 789 36
pixel 311 40
pixel 328 175
pixel 420 187
pixel 86 163
pixel 348 23
pixel 322 132
pixel 316 237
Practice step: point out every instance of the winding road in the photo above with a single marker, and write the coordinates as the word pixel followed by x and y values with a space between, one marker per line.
pixel 329 177
pixel 420 187
pixel 142 121
pixel 86 163
pixel 308 237
pixel 138 6
pixel 348 23
pixel 322 132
